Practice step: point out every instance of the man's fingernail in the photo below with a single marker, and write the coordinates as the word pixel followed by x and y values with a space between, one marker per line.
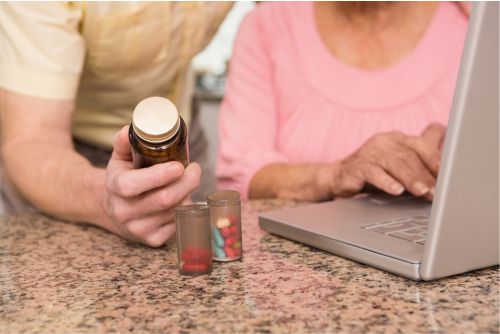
pixel 421 188
pixel 172 166
pixel 397 189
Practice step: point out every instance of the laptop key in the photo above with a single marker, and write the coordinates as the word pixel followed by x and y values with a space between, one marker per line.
pixel 387 230
pixel 413 229
pixel 405 236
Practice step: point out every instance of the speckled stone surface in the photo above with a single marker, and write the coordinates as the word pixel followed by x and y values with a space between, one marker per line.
pixel 59 277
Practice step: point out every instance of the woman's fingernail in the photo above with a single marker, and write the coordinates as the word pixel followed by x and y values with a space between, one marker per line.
pixel 397 189
pixel 421 188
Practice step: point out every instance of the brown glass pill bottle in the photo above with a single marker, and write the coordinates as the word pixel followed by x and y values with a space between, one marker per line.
pixel 158 134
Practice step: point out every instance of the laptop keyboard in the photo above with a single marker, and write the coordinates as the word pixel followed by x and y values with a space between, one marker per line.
pixel 413 229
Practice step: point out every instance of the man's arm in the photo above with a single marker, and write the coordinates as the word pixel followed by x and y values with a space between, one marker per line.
pixel 40 161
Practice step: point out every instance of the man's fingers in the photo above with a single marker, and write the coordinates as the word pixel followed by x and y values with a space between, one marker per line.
pixel 177 191
pixel 121 145
pixel 160 236
pixel 153 230
pixel 144 226
pixel 133 182
pixel 160 199
pixel 378 177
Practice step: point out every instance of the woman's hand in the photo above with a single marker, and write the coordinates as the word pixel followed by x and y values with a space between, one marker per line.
pixel 139 203
pixel 392 162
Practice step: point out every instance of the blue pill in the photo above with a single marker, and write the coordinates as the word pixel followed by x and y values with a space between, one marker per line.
pixel 217 237
pixel 219 252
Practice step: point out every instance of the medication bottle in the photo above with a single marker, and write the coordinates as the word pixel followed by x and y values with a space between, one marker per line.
pixel 157 133
pixel 225 220
pixel 194 240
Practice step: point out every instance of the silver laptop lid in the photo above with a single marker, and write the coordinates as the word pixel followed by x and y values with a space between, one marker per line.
pixel 464 234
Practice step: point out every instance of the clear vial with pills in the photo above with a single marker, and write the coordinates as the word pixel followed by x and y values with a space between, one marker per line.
pixel 194 239
pixel 225 220
pixel 158 134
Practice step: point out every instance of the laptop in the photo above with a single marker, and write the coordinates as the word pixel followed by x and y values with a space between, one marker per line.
pixel 459 231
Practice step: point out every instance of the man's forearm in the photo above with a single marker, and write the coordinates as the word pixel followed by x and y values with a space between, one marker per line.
pixel 57 180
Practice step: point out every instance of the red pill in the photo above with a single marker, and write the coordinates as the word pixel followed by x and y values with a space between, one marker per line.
pixel 232 219
pixel 196 255
pixel 195 267
pixel 232 252
pixel 231 240
pixel 226 231
pixel 233 229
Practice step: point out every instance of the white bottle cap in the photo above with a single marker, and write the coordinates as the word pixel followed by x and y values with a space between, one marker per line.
pixel 155 119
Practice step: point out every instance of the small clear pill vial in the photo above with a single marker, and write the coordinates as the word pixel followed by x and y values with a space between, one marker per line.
pixel 194 239
pixel 157 133
pixel 225 220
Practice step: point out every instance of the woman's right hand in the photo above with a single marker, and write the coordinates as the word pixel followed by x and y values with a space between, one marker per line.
pixel 139 203
pixel 392 162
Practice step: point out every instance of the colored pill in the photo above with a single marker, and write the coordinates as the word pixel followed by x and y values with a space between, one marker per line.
pixel 217 237
pixel 233 229
pixel 232 219
pixel 237 245
pixel 230 252
pixel 195 267
pixel 196 255
pixel 226 232
pixel 222 222
pixel 231 240
pixel 218 252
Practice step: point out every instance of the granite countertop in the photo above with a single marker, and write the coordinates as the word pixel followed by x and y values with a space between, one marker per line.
pixel 60 277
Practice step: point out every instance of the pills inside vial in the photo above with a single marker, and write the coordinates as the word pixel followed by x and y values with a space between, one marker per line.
pixel 226 238
pixel 195 260
pixel 217 237
pixel 223 222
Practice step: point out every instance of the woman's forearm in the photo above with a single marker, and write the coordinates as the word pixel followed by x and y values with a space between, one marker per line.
pixel 310 182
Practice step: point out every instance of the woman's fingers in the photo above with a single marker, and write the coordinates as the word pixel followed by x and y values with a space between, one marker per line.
pixel 378 177
pixel 428 146
pixel 408 169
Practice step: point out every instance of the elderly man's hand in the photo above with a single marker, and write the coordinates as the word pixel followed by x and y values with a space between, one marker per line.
pixel 392 162
pixel 139 203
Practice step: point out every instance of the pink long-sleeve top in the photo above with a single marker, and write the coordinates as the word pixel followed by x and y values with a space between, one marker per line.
pixel 289 100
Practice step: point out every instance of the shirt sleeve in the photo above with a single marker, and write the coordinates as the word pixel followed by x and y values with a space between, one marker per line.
pixel 41 50
pixel 248 118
